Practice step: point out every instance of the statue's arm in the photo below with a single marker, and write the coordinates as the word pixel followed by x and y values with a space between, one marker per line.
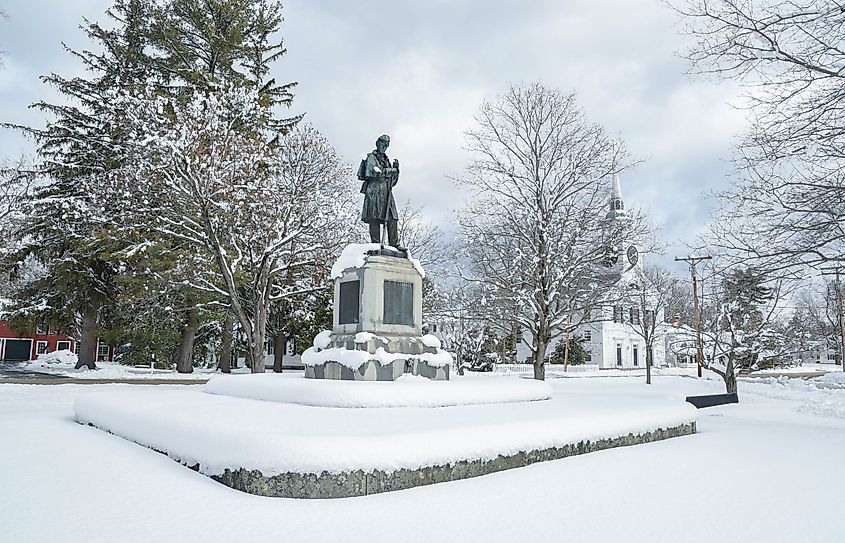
pixel 371 169
pixel 393 172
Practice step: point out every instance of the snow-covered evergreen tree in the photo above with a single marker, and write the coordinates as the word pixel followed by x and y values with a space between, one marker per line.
pixel 66 222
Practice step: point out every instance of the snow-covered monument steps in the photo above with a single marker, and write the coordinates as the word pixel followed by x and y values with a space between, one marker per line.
pixel 275 448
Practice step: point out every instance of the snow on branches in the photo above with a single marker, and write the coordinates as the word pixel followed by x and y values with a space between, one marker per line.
pixel 535 233
pixel 202 170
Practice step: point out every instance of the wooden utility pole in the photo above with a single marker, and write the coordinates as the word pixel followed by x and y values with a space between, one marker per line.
pixel 835 272
pixel 692 261
pixel 566 346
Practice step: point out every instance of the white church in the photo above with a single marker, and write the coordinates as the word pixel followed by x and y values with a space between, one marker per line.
pixel 610 339
pixel 609 336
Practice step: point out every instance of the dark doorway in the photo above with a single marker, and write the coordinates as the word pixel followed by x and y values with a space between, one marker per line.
pixel 17 350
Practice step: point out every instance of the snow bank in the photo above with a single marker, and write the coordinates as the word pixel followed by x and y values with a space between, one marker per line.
pixel 323 339
pixel 355 359
pixel 354 255
pixel 64 357
pixel 821 396
pixel 832 378
pixel 363 337
pixel 430 340
pixel 218 432
pixel 407 391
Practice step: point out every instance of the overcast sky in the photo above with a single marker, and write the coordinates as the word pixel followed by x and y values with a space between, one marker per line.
pixel 418 70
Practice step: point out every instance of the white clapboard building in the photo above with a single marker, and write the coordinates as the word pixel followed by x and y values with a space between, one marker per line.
pixel 608 334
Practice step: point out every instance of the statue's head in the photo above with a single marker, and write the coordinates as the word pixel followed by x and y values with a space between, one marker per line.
pixel 383 142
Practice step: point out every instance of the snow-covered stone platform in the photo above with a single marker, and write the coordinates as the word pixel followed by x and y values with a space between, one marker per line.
pixel 406 391
pixel 276 448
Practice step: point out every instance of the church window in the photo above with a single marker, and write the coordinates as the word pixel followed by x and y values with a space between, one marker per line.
pixel 634 315
pixel 618 354
pixel 617 313
pixel 588 335
pixel 649 316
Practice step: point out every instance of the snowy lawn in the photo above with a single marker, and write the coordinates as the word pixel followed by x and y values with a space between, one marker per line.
pixel 767 469
pixel 111 370
pixel 557 371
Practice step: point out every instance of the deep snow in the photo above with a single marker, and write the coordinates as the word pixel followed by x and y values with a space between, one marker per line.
pixel 768 469
pixel 211 431
pixel 407 391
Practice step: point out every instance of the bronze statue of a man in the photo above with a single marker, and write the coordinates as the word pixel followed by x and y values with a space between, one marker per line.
pixel 379 177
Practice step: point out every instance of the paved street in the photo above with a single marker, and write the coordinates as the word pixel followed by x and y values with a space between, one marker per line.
pixel 11 370
pixel 11 373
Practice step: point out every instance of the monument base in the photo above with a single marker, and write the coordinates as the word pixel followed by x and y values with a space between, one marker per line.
pixel 377 325
pixel 373 370
pixel 367 357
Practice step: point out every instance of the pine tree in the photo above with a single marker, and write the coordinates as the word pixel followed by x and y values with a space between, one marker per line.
pixel 577 354
pixel 67 222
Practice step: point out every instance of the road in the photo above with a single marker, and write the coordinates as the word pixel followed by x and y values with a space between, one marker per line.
pixel 16 374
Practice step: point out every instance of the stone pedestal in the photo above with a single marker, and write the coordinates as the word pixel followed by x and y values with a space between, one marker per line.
pixel 377 326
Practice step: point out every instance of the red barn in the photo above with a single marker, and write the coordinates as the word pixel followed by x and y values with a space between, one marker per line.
pixel 15 347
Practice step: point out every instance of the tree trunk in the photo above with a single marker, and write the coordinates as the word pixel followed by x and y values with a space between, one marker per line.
pixel 566 352
pixel 279 344
pixel 256 353
pixel 185 360
pixel 225 363
pixel 540 362
pixel 256 344
pixel 648 362
pixel 88 345
pixel 730 377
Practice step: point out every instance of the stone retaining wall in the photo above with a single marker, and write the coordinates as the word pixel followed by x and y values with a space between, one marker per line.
pixel 360 483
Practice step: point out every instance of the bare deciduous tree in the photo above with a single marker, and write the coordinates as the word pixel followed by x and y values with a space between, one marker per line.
pixel 204 172
pixel 423 238
pixel 651 299
pixel 533 232
pixel 788 210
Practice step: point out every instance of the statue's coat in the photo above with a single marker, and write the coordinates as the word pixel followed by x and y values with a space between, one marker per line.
pixel 379 177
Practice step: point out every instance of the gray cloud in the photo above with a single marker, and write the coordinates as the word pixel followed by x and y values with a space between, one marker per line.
pixel 419 70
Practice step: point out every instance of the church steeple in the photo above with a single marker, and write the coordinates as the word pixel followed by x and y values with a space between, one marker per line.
pixel 617 205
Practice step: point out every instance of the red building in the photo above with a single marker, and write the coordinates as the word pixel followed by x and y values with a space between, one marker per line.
pixel 15 346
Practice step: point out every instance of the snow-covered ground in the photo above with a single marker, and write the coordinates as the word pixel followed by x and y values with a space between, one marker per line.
pixel 211 432
pixel 407 391
pixel 111 370
pixel 768 469
pixel 804 368
pixel 557 371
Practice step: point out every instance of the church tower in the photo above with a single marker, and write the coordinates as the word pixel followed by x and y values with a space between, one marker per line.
pixel 610 333
pixel 622 255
